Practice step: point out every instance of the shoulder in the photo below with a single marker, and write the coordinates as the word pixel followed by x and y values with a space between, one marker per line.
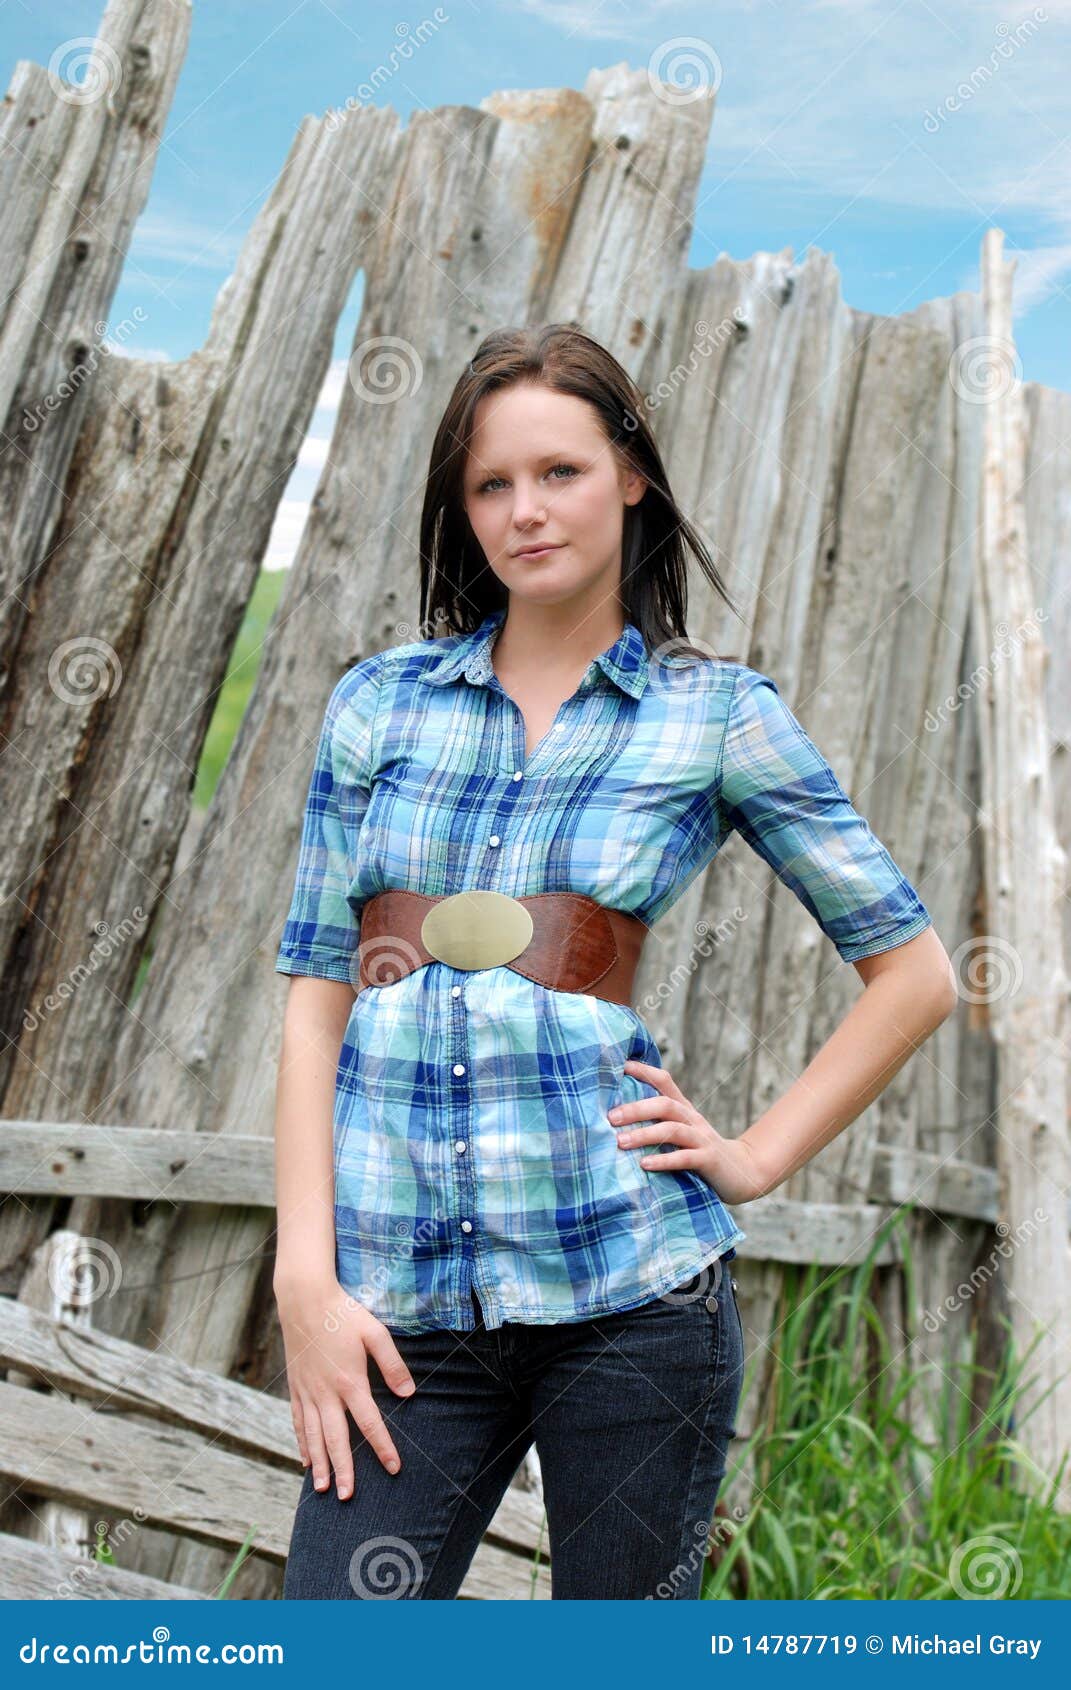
pixel 744 691
pixel 720 680
pixel 388 674
pixel 731 706
pixel 409 661
pixel 358 683
pixel 757 726
pixel 742 680
pixel 703 671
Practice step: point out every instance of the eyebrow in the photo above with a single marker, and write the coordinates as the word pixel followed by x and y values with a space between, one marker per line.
pixel 545 458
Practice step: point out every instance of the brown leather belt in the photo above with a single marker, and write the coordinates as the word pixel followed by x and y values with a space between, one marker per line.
pixel 564 940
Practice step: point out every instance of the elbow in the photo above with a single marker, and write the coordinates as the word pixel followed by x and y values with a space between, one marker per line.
pixel 946 995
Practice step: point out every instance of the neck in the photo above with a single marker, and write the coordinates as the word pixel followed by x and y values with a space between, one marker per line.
pixel 556 639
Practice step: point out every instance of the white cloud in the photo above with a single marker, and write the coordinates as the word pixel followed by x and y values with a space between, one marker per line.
pixel 1039 272
pixel 188 245
pixel 313 454
pixel 287 529
pixel 330 394
pixel 597 20
pixel 146 354
pixel 293 511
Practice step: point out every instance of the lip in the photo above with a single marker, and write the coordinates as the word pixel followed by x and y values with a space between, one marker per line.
pixel 538 551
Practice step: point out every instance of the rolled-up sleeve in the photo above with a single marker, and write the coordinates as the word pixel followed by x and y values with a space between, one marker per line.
pixel 777 790
pixel 322 928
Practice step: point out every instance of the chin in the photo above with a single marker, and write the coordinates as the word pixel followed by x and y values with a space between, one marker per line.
pixel 551 595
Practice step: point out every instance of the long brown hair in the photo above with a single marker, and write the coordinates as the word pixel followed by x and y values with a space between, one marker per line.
pixel 458 589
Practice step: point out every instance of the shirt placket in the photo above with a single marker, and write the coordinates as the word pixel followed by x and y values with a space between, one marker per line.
pixel 461 1116
pixel 463 1100
pixel 462 1097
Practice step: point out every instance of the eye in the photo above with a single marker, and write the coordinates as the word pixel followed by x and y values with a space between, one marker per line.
pixel 571 472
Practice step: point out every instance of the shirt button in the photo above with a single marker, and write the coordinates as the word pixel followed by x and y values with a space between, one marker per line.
pixel 466 1226
pixel 518 774
pixel 459 1067
pixel 494 840
pixel 459 1145
pixel 455 991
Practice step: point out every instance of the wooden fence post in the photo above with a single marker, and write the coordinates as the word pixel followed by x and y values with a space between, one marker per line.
pixel 1025 882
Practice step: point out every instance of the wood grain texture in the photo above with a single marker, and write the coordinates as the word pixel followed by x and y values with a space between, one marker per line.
pixel 837 472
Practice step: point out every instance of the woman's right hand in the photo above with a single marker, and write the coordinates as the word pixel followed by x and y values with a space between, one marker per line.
pixel 328 1337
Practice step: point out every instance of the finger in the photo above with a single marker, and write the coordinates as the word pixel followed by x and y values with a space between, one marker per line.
pixel 670 1160
pixel 321 1470
pixel 674 1132
pixel 337 1434
pixel 660 1077
pixel 370 1422
pixel 299 1429
pixel 381 1346
pixel 646 1109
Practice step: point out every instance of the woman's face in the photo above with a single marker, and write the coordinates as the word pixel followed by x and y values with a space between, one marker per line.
pixel 541 472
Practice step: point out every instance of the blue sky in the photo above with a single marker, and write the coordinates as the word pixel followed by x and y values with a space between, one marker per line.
pixel 889 134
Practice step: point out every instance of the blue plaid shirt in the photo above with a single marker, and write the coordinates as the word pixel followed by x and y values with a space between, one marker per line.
pixel 472 1148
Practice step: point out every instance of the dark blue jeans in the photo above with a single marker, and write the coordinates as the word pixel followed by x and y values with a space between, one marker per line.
pixel 631 1415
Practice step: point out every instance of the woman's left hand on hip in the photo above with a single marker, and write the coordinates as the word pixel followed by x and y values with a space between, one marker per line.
pixel 728 1165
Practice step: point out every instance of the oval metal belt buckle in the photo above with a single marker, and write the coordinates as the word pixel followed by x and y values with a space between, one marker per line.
pixel 477 929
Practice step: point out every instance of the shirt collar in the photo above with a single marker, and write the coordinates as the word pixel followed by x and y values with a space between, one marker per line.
pixel 625 662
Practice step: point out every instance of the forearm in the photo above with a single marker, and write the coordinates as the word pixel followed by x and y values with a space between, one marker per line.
pixel 882 1029
pixel 313 1028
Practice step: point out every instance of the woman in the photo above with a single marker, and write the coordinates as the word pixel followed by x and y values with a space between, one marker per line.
pixel 500 1219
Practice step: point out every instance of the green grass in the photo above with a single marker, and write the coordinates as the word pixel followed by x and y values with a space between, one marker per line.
pixel 234 693
pixel 853 1500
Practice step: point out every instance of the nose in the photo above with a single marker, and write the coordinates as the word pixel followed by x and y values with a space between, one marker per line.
pixel 529 504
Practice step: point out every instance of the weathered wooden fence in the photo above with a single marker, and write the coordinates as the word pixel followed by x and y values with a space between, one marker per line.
pixel 835 460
